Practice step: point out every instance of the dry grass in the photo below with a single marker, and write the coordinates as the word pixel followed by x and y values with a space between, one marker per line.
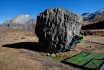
pixel 20 59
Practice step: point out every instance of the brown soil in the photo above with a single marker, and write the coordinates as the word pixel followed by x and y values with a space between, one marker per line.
pixel 13 57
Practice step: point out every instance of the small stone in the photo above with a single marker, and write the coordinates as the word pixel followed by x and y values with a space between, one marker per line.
pixel 23 38
pixel 65 52
pixel 48 54
pixel 90 47
pixel 53 55
pixel 44 54
pixel 60 53
pixel 57 54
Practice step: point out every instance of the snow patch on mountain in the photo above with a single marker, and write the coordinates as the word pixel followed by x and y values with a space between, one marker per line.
pixel 21 22
pixel 22 19
pixel 92 15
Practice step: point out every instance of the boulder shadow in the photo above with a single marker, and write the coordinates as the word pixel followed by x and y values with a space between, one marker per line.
pixel 24 45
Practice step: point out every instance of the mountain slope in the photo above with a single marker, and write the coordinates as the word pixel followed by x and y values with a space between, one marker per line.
pixel 22 19
pixel 90 16
pixel 94 20
pixel 21 22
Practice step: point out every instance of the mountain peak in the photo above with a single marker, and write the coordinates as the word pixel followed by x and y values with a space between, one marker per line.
pixel 85 13
pixel 100 11
pixel 21 22
pixel 24 15
pixel 22 19
pixel 92 15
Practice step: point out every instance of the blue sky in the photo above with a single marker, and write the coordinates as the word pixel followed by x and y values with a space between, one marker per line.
pixel 11 8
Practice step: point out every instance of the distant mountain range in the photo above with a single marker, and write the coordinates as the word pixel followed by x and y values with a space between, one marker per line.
pixel 94 20
pixel 21 19
pixel 26 22
pixel 21 22
pixel 90 16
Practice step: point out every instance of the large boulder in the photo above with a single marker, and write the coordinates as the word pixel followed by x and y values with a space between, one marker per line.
pixel 55 29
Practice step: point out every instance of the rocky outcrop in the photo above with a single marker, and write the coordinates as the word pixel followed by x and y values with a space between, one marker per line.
pixel 55 29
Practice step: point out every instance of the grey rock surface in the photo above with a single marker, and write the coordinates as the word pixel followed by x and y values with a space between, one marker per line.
pixel 55 28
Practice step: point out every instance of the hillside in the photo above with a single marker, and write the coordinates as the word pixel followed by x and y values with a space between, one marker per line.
pixel 90 16
pixel 94 20
pixel 20 22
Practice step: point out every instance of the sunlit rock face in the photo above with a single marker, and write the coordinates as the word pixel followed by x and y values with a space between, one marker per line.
pixel 55 29
pixel 21 22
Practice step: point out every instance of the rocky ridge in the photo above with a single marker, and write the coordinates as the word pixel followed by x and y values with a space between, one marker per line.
pixel 20 22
